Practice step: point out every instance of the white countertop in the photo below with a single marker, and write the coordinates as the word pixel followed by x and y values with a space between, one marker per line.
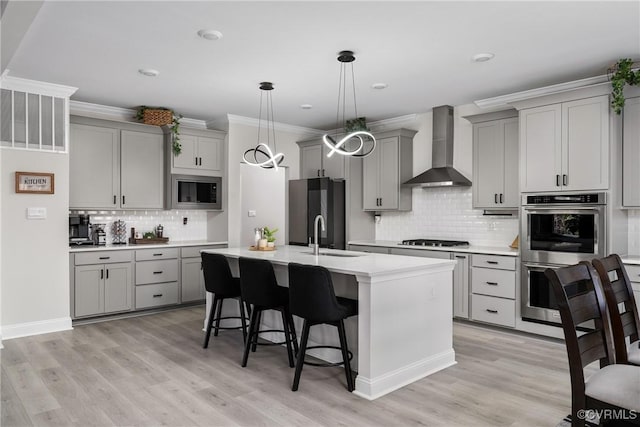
pixel 367 264
pixel 630 259
pixel 490 250
pixel 170 244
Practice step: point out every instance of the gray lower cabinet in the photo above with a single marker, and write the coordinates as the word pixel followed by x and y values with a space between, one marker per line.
pixel 192 278
pixel 102 288
pixel 493 289
pixel 461 286
pixel 156 277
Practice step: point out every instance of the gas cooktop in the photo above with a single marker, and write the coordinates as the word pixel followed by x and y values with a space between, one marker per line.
pixel 433 242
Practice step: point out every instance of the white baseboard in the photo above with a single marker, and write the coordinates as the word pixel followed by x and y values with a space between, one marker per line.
pixel 36 328
pixel 373 388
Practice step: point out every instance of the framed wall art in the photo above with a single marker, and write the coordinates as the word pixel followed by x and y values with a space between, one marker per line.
pixel 34 183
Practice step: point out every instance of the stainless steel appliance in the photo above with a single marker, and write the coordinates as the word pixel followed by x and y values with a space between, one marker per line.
pixel 194 192
pixel 309 198
pixel 434 242
pixel 99 235
pixel 79 230
pixel 557 230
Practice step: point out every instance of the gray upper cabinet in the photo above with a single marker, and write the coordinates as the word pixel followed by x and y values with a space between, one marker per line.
pixel 631 151
pixel 94 167
pixel 202 153
pixel 314 162
pixel 495 161
pixel 142 170
pixel 565 146
pixel 385 169
pixel 115 165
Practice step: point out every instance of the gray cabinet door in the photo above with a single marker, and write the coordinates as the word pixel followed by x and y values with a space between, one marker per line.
pixel 310 161
pixel 488 163
pixel 540 148
pixel 585 144
pixel 333 166
pixel 94 171
pixel 142 173
pixel 89 290
pixel 192 280
pixel 631 150
pixel 187 159
pixel 461 286
pixel 118 288
pixel 209 154
pixel 511 160
pixel 389 171
pixel 371 180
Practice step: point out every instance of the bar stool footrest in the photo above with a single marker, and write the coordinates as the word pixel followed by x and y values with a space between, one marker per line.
pixel 327 365
pixel 228 327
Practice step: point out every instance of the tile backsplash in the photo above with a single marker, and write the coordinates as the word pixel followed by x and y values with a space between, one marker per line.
pixel 446 213
pixel 143 221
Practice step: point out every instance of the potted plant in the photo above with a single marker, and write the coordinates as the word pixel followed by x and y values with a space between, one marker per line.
pixel 161 116
pixel 355 125
pixel 269 235
pixel 620 74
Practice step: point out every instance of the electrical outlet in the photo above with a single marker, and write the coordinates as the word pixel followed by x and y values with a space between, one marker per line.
pixel 251 213
pixel 185 220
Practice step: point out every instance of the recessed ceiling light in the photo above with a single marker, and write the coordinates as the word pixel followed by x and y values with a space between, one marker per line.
pixel 210 34
pixel 379 86
pixel 482 57
pixel 149 72
pixel 306 106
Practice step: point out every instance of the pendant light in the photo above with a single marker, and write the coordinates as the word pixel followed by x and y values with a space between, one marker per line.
pixel 261 155
pixel 360 137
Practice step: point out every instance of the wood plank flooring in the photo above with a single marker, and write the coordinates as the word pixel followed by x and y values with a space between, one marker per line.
pixel 152 370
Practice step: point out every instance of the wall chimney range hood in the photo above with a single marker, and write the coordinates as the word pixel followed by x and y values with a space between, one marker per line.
pixel 442 174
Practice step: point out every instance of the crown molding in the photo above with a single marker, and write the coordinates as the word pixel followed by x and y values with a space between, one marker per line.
pixel 34 86
pixel 507 100
pixel 98 111
pixel 283 127
pixel 406 121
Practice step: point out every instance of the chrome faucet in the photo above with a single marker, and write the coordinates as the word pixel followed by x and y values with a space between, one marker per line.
pixel 316 243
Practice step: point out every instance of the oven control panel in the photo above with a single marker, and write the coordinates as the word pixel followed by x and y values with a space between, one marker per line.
pixel 566 199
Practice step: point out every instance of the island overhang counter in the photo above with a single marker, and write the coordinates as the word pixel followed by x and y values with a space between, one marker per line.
pixel 404 324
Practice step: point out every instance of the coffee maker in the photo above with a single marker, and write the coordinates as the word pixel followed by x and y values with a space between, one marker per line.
pixel 79 230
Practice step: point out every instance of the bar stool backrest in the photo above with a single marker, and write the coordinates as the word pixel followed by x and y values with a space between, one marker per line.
pixel 257 281
pixel 217 274
pixel 311 294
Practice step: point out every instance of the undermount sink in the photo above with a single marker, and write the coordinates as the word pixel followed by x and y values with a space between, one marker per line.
pixel 341 255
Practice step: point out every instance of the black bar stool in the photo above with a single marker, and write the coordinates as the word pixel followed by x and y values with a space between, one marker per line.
pixel 219 281
pixel 260 288
pixel 312 298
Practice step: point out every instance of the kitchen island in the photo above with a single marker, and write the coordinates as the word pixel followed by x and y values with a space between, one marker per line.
pixel 404 328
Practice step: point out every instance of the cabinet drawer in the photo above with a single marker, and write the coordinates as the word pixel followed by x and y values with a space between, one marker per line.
pixel 633 271
pixel 494 261
pixel 194 251
pixel 159 253
pixel 102 257
pixel 156 271
pixel 495 310
pixel 156 295
pixel 497 283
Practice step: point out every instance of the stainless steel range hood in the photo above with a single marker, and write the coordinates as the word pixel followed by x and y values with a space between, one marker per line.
pixel 442 174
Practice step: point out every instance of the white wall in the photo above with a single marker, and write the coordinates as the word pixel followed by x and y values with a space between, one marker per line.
pixel 241 138
pixel 35 259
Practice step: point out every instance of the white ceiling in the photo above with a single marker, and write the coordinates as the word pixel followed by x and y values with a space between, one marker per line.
pixel 422 50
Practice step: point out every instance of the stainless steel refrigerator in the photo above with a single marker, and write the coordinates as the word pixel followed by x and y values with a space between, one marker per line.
pixel 317 196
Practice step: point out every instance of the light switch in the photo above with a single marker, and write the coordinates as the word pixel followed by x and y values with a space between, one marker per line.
pixel 252 213
pixel 36 213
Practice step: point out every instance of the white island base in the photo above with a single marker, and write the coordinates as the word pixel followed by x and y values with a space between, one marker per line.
pixel 404 329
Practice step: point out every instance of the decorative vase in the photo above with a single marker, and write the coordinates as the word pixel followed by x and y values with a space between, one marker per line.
pixel 271 244
pixel 262 243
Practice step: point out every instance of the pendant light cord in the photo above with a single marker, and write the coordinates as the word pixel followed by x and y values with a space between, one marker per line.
pixel 342 96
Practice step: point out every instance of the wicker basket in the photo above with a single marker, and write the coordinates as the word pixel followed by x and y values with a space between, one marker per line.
pixel 158 117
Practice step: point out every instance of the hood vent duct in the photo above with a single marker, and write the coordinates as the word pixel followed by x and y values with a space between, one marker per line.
pixel 442 174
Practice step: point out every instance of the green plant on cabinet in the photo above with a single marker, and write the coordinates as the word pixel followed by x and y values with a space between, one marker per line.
pixel 620 74
pixel 174 125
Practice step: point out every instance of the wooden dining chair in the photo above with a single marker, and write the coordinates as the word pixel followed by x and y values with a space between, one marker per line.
pixel 615 387
pixel 622 307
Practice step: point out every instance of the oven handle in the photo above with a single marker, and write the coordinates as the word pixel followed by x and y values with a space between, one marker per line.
pixel 557 209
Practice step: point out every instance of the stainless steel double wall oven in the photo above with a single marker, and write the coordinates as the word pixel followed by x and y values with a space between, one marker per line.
pixel 557 230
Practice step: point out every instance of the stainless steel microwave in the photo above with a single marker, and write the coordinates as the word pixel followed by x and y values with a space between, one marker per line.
pixel 195 192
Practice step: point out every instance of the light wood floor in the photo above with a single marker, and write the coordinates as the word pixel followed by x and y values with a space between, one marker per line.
pixel 152 370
